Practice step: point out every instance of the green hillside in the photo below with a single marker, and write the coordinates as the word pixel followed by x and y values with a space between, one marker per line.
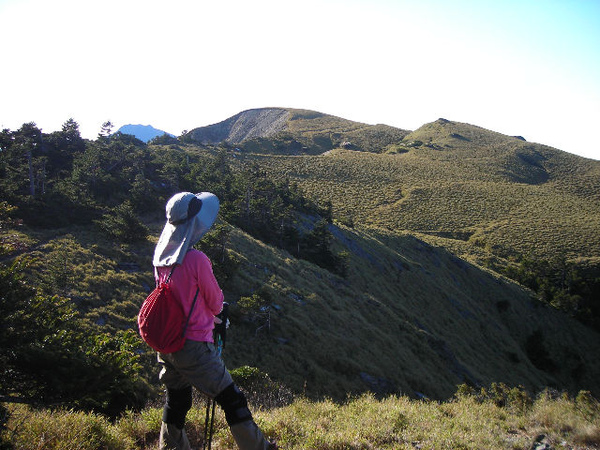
pixel 370 260
pixel 491 191
pixel 488 198
pixel 408 317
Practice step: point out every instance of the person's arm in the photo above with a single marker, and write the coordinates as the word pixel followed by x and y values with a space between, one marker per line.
pixel 209 287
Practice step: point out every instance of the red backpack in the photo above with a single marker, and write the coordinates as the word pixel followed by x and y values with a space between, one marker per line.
pixel 161 320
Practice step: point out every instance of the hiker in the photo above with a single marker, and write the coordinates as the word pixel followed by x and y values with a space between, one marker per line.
pixel 198 364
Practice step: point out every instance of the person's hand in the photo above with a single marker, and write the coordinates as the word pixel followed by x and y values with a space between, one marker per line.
pixel 218 321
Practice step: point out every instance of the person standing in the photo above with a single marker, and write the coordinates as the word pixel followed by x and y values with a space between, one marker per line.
pixel 197 364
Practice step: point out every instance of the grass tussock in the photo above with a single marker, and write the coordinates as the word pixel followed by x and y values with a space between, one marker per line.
pixel 468 421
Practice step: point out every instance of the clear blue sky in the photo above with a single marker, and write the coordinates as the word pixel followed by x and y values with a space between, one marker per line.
pixel 529 68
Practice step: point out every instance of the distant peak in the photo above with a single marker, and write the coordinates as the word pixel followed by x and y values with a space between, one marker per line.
pixel 144 133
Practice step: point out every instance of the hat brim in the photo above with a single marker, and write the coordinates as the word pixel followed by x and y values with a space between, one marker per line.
pixel 209 210
pixel 176 240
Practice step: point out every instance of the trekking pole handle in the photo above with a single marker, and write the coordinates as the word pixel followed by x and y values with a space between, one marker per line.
pixel 220 329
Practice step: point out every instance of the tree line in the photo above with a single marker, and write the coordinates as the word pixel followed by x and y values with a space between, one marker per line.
pixel 559 283
pixel 117 183
pixel 60 179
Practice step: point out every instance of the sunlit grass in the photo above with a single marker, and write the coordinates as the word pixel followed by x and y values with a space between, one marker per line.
pixel 364 422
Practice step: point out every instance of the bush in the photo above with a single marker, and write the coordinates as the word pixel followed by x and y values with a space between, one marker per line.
pixel 260 389
pixel 500 394
pixel 48 358
pixel 122 224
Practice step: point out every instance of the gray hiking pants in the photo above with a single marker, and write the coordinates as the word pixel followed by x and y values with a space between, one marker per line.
pixel 199 365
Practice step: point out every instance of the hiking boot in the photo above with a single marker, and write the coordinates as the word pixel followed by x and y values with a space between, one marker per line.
pixel 273 446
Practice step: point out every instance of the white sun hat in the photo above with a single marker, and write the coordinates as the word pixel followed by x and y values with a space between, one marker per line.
pixel 189 217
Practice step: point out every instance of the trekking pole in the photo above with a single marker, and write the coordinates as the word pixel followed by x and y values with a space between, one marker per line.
pixel 219 335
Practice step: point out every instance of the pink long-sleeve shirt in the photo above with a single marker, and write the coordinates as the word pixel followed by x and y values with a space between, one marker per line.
pixel 195 272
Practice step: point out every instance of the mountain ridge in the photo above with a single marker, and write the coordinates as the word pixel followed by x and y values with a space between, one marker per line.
pixel 267 122
pixel 297 131
pixel 444 179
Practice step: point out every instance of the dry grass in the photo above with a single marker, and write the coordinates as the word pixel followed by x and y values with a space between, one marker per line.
pixel 362 422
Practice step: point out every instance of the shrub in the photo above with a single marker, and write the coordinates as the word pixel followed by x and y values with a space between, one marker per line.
pixel 122 224
pixel 260 389
pixel 49 358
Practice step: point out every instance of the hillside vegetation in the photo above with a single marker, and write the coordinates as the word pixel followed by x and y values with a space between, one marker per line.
pixel 497 419
pixel 395 263
pixel 492 200
pixel 502 193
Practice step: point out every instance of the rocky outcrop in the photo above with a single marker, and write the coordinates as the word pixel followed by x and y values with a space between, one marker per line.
pixel 253 123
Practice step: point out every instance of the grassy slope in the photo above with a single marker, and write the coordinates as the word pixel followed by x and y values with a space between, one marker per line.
pixel 409 317
pixel 487 192
pixel 438 320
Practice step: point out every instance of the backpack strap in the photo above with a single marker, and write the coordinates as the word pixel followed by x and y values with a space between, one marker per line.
pixel 187 321
pixel 190 314
pixel 168 278
pixel 170 273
